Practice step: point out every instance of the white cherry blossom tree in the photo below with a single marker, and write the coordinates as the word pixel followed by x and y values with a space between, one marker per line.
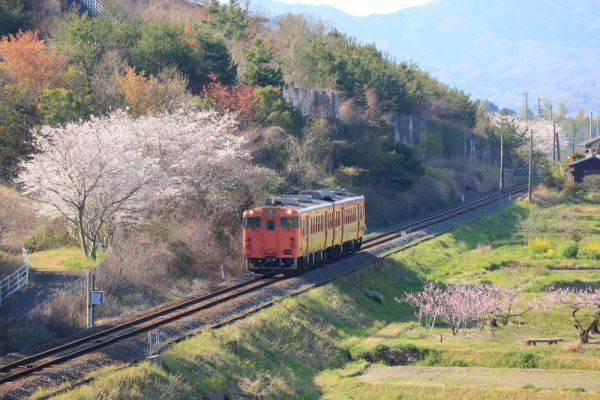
pixel 109 171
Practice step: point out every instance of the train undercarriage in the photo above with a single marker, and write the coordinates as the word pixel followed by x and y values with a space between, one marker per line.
pixel 269 265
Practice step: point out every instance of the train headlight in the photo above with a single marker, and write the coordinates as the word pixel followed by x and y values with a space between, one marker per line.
pixel 289 212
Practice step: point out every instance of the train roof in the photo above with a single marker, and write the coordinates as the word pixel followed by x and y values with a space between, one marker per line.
pixel 311 199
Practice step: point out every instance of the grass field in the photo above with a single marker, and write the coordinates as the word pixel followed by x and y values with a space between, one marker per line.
pixel 62 259
pixel 316 345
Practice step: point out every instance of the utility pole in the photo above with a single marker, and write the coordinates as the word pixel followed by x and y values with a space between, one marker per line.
pixel 539 108
pixel 553 135
pixel 591 116
pixel 557 148
pixel 573 139
pixel 530 149
pixel 597 126
pixel 91 281
pixel 501 188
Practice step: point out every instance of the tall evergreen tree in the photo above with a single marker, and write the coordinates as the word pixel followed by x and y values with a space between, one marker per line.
pixel 260 70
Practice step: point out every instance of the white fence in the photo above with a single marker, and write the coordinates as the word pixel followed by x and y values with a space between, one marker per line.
pixel 16 280
pixel 94 7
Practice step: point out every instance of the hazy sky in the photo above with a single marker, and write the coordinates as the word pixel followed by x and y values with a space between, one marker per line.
pixel 364 7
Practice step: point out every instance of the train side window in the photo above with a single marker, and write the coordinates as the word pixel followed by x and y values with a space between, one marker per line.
pixel 270 224
pixel 289 222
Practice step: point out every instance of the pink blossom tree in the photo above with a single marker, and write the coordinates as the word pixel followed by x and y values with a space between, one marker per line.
pixel 111 170
pixel 584 305
pixel 461 305
pixel 508 304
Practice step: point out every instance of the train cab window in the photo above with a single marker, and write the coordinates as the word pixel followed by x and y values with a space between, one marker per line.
pixel 270 224
pixel 289 222
pixel 251 222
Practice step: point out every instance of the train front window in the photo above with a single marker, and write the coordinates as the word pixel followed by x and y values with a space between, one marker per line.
pixel 270 224
pixel 251 222
pixel 289 222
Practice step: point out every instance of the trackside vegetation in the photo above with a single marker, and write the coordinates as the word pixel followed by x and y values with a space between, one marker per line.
pixel 87 95
pixel 351 340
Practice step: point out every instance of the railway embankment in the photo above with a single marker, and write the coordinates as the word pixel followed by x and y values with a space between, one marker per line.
pixel 136 349
pixel 333 341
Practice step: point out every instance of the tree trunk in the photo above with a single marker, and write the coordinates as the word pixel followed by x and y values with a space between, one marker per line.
pixel 93 250
pixel 82 237
pixel 584 336
pixel 595 329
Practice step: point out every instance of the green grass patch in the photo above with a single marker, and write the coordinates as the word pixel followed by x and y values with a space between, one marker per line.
pixel 63 259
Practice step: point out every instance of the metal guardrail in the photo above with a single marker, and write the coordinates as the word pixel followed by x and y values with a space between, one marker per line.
pixel 17 280
pixel 94 7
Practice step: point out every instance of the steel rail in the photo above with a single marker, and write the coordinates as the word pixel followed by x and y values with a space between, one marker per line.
pixel 397 232
pixel 29 365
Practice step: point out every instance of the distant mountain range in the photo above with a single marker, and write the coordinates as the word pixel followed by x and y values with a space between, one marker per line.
pixel 493 49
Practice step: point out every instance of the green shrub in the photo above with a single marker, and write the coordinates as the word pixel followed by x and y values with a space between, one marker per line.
pixel 50 235
pixel 272 109
pixel 569 249
pixel 569 190
pixel 517 360
pixel 374 295
pixel 184 259
pixel 591 183
pixel 526 360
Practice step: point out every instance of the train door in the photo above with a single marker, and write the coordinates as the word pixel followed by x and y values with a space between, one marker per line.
pixel 326 229
pixel 358 219
pixel 343 223
pixel 307 232
pixel 270 236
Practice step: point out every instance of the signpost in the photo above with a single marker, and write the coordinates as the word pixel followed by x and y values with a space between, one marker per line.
pixel 94 298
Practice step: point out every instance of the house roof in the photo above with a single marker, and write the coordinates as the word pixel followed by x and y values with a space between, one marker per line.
pixel 595 156
pixel 597 138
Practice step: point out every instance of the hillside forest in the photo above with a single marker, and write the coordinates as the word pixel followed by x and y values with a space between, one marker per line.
pixel 139 137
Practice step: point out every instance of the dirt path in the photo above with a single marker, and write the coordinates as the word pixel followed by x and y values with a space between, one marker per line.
pixel 41 287
pixel 486 377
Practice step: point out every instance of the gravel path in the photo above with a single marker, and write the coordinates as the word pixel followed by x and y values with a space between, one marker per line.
pixel 136 348
pixel 42 284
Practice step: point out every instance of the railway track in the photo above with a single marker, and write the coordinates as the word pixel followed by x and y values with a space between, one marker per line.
pixel 61 354
pixel 398 232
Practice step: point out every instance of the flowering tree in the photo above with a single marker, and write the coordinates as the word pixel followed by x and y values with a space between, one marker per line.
pixel 107 171
pixel 460 305
pixel 542 132
pixel 584 305
pixel 507 304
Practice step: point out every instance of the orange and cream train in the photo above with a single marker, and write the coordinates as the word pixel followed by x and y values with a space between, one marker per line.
pixel 292 232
